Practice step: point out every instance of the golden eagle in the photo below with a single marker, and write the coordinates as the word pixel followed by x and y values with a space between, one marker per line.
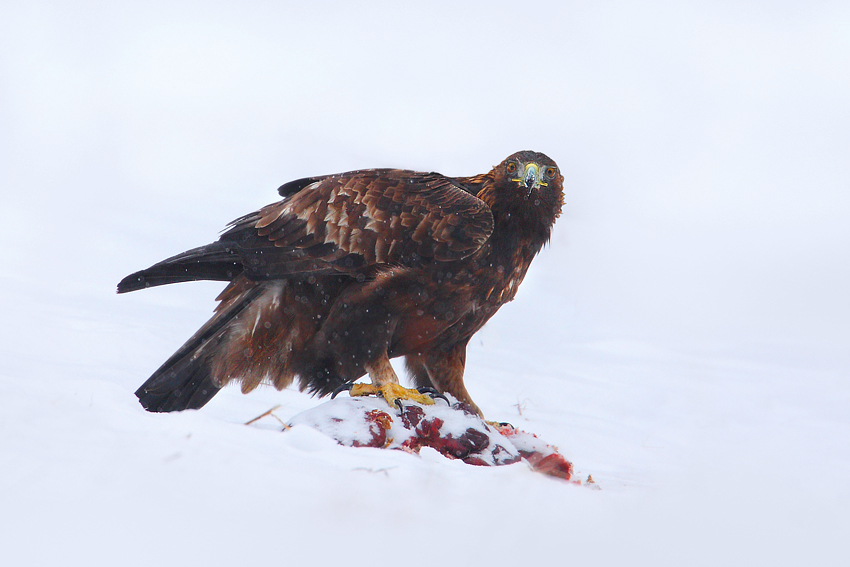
pixel 350 270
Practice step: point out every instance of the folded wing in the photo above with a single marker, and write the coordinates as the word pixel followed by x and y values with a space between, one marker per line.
pixel 338 224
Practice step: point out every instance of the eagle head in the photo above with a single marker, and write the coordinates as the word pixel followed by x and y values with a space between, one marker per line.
pixel 526 186
pixel 528 172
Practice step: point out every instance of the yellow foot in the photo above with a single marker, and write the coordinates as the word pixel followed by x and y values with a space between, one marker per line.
pixel 391 392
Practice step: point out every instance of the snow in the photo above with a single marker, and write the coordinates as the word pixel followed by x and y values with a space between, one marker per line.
pixel 683 339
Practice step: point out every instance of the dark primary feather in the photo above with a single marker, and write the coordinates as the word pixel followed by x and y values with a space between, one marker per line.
pixel 218 261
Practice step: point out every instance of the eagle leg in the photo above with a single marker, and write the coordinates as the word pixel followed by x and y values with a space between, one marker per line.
pixel 381 371
pixel 444 369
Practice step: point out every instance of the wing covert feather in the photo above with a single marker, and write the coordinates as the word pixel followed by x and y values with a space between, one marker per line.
pixel 342 223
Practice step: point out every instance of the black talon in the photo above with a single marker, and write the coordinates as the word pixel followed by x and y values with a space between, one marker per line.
pixel 399 404
pixel 343 388
pixel 433 392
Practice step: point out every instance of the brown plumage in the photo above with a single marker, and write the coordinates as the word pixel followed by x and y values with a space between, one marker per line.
pixel 350 270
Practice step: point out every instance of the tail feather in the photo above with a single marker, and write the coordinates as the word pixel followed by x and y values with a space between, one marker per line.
pixel 185 381
pixel 217 261
pixel 193 392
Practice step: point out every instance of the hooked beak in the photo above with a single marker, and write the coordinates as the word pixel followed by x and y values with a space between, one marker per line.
pixel 531 178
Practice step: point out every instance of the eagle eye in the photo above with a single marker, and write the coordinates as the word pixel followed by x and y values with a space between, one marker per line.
pixel 550 172
pixel 511 168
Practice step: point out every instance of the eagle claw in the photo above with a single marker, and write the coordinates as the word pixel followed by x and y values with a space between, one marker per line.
pixel 499 424
pixel 433 392
pixel 344 388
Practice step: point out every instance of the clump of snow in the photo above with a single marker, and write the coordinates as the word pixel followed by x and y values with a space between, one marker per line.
pixel 451 428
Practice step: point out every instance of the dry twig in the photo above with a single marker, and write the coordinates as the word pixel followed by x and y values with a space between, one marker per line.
pixel 262 415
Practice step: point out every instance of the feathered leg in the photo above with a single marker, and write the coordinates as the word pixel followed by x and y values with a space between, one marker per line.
pixel 444 369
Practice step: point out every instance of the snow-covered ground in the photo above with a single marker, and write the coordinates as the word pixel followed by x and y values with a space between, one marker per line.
pixel 684 339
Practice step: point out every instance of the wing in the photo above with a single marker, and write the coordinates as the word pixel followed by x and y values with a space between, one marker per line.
pixel 343 223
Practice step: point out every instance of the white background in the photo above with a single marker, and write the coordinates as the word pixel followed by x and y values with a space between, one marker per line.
pixel 684 338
